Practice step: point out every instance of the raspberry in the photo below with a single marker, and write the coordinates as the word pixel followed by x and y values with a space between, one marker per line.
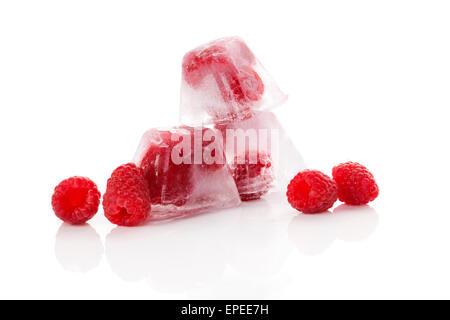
pixel 311 191
pixel 251 83
pixel 196 64
pixel 356 185
pixel 76 200
pixel 126 201
pixel 252 179
pixel 170 183
pixel 240 84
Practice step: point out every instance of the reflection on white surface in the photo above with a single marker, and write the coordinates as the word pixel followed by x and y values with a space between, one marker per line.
pixel 243 286
pixel 355 223
pixel 213 254
pixel 174 256
pixel 194 254
pixel 259 243
pixel 78 248
pixel 312 234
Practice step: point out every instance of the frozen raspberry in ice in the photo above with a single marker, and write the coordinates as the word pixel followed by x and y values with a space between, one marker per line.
pixel 169 184
pixel 186 170
pixel 197 65
pixel 222 81
pixel 253 175
pixel 260 138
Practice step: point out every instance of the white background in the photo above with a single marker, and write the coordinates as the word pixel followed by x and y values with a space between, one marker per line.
pixel 368 81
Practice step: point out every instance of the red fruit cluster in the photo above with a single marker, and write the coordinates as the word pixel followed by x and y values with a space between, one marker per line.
pixel 76 200
pixel 126 201
pixel 311 191
pixel 159 181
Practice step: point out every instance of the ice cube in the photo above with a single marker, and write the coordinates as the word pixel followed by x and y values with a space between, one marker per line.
pixel 253 178
pixel 222 81
pixel 260 154
pixel 186 170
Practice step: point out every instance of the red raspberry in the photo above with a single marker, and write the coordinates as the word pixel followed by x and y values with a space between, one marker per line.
pixel 240 84
pixel 76 200
pixel 311 191
pixel 356 185
pixel 126 201
pixel 252 179
pixel 170 183
pixel 197 64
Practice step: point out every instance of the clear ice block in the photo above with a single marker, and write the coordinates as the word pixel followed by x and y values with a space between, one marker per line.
pixel 260 155
pixel 223 81
pixel 186 170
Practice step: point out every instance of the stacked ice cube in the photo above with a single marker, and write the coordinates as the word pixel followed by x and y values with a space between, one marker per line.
pixel 222 82
pixel 228 148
